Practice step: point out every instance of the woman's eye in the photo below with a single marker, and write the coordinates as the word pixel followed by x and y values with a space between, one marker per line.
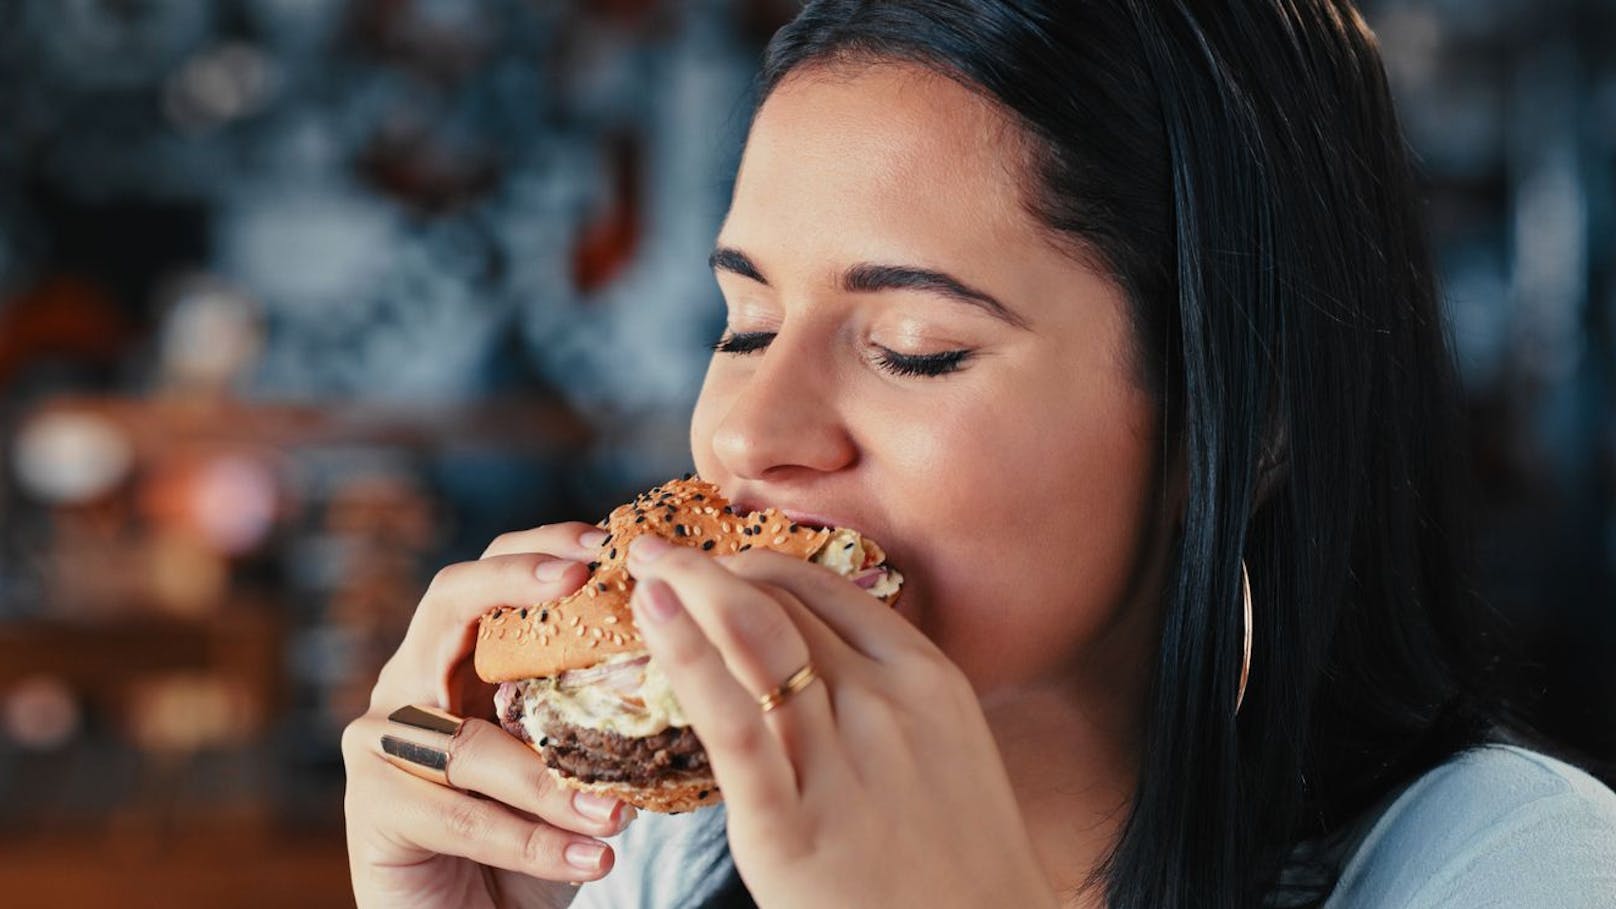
pixel 936 364
pixel 921 365
pixel 743 342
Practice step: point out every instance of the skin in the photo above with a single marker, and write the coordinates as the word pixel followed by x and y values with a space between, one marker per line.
pixel 1019 494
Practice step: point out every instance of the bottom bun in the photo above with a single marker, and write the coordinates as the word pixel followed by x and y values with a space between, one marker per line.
pixel 667 797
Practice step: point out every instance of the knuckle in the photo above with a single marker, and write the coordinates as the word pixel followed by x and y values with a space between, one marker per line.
pixel 502 543
pixel 539 847
pixel 466 819
pixel 352 742
pixel 447 576
pixel 743 739
pixel 467 743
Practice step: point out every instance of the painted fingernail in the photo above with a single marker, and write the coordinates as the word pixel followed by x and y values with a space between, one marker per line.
pixel 647 548
pixel 593 805
pixel 656 600
pixel 592 539
pixel 584 856
pixel 552 569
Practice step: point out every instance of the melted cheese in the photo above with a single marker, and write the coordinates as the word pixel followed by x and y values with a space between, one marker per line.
pixel 637 705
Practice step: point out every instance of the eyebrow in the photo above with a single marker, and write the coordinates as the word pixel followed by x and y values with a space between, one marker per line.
pixel 867 277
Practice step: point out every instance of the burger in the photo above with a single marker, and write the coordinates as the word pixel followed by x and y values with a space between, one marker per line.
pixel 575 680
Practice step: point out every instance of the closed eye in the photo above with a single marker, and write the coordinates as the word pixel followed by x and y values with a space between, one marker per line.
pixel 743 342
pixel 935 364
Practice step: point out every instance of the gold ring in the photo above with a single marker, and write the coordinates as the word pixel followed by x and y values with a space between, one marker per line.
pixel 421 744
pixel 798 680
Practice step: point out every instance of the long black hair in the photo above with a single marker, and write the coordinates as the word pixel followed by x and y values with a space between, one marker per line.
pixel 1238 168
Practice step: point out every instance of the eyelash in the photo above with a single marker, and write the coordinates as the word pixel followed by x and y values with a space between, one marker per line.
pixel 936 364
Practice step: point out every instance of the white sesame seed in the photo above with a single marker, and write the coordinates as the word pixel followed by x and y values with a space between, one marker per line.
pixel 779 539
pixel 611 620
pixel 579 631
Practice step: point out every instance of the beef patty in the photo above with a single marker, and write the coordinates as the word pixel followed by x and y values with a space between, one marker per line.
pixel 599 756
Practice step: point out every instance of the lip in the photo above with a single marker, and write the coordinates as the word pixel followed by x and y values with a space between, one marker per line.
pixel 797 515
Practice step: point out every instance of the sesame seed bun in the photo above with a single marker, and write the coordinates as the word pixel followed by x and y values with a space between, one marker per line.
pixel 595 622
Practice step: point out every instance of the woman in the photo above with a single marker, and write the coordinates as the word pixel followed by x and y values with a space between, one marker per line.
pixel 1090 313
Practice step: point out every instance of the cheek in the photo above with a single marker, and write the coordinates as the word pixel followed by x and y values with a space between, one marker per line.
pixel 710 406
pixel 1030 552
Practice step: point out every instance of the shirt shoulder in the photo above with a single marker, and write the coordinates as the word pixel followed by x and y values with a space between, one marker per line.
pixel 1497 825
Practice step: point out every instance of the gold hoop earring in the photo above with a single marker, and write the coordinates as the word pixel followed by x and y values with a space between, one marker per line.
pixel 1245 653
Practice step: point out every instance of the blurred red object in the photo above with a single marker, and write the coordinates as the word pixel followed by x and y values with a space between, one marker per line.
pixel 62 315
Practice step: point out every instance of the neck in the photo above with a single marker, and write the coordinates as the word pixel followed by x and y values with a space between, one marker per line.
pixel 1073 771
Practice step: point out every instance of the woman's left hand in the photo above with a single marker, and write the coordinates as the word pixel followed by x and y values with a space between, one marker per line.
pixel 880 786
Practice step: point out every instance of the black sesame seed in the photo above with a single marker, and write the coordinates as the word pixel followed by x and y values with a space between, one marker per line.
pixel 601 586
pixel 612 554
pixel 592 566
pixel 678 530
pixel 607 540
pixel 544 615
pixel 640 519
pixel 744 547
pixel 728 510
pixel 703 794
pixel 707 545
pixel 524 612
pixel 848 545
pixel 544 740
pixel 795 528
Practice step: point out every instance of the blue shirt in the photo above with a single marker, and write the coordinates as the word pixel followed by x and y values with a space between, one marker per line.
pixel 1495 826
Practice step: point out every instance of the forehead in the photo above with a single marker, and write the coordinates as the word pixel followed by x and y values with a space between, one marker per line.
pixel 878 161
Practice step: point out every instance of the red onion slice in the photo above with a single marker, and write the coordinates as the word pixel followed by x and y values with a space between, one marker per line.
pixel 869 577
pixel 624 676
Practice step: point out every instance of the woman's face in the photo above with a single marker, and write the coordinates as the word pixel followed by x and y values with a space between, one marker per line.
pixel 914 357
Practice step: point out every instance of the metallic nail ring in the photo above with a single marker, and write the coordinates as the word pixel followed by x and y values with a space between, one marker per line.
pixel 420 746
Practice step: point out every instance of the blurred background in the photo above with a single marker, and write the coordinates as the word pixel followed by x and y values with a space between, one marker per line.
pixel 303 299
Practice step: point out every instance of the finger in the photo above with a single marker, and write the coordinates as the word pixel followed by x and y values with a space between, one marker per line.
pixel 861 620
pixel 443 630
pixel 445 821
pixel 462 592
pixel 484 758
pixel 759 643
pixel 571 540
pixel 481 757
pixel 757 639
pixel 748 761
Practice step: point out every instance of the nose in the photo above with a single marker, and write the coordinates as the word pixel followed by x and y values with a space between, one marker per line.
pixel 784 417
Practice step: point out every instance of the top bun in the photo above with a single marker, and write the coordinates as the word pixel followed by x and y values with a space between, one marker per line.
pixel 595 623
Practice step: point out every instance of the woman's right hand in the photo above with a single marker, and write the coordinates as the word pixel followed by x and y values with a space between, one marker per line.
pixel 506 834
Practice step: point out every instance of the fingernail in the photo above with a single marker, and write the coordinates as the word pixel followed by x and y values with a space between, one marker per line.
pixel 655 600
pixel 584 856
pixel 592 539
pixel 647 548
pixel 552 569
pixel 594 805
